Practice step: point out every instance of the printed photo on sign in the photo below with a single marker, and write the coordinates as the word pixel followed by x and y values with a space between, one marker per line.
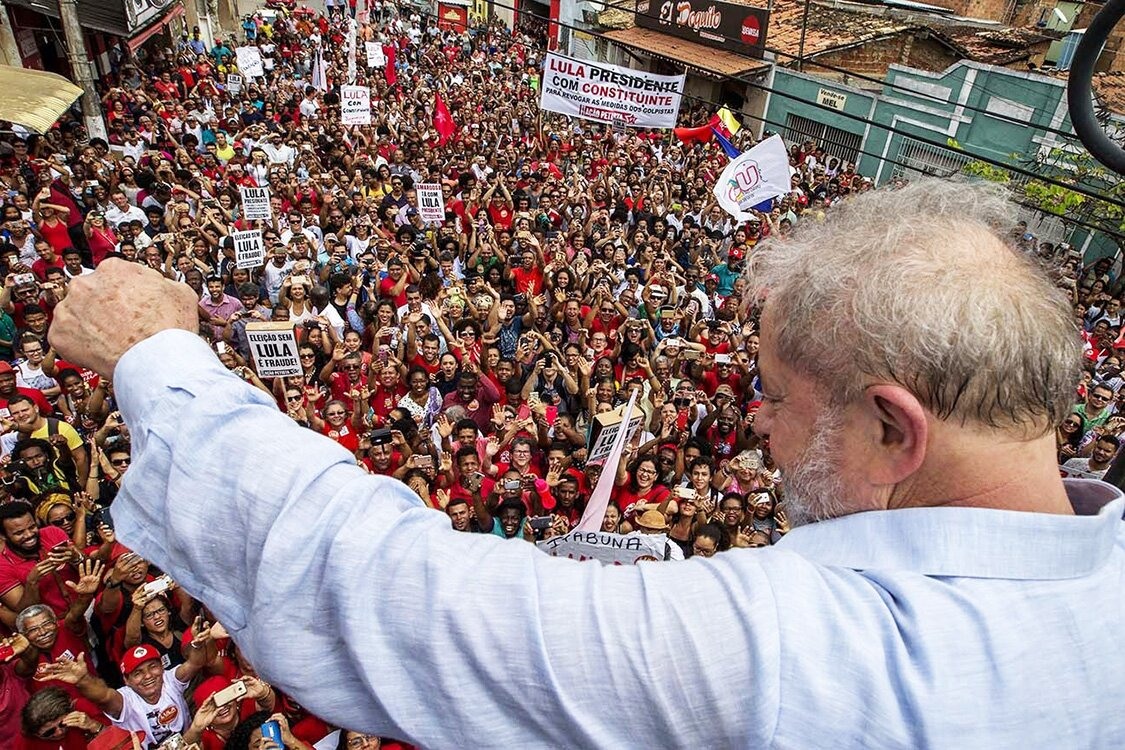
pixel 355 105
pixel 234 83
pixel 273 347
pixel 611 94
pixel 431 204
pixel 255 203
pixel 249 250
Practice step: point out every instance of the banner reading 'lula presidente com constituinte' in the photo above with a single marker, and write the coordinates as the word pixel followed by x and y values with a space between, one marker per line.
pixel 610 93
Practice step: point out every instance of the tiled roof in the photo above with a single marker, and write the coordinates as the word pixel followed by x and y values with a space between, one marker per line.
pixel 692 54
pixel 1109 88
pixel 828 28
pixel 993 46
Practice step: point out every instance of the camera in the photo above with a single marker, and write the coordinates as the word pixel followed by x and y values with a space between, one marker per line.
pixel 539 523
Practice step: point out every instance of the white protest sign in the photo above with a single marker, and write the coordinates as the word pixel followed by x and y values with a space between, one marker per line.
pixel 606 547
pixel 431 204
pixel 250 62
pixel 255 203
pixel 234 83
pixel 355 105
pixel 375 56
pixel 610 93
pixel 249 250
pixel 752 177
pixel 604 431
pixel 273 346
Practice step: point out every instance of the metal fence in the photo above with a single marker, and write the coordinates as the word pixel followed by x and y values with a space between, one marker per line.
pixel 838 143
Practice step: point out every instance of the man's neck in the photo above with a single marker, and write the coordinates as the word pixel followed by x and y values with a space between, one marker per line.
pixel 964 468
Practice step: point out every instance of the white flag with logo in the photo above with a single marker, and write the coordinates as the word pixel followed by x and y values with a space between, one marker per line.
pixel 757 175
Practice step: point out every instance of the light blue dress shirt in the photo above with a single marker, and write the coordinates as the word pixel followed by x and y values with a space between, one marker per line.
pixel 919 628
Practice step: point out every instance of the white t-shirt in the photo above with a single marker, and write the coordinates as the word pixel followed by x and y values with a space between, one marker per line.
pixel 160 720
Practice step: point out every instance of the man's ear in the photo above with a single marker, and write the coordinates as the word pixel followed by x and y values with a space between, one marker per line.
pixel 899 432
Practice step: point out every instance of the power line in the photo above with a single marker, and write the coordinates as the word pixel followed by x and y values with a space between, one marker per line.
pixel 889 128
pixel 896 87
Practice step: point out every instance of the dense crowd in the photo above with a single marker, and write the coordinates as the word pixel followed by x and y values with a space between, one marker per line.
pixel 575 266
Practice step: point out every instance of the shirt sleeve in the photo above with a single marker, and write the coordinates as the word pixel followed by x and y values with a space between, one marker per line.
pixel 349 594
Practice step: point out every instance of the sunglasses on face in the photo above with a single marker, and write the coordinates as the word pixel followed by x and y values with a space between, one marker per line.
pixel 121 461
pixel 68 518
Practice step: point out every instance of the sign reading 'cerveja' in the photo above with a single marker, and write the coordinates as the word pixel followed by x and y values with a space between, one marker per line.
pixel 738 28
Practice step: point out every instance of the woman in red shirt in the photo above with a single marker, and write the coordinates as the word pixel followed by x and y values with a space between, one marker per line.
pixel 52 219
pixel 637 487
pixel 99 235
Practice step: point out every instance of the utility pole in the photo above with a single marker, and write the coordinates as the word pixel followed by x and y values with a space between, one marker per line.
pixel 8 47
pixel 80 68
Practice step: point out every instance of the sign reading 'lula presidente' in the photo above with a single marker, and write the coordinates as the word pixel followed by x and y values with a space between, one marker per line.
pixel 738 28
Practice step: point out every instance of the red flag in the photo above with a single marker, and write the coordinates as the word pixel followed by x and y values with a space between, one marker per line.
pixel 389 67
pixel 443 122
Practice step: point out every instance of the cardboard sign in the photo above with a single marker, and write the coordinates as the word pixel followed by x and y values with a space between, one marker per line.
pixel 606 547
pixel 234 84
pixel 375 56
pixel 255 203
pixel 273 347
pixel 610 93
pixel 431 203
pixel 355 105
pixel 603 431
pixel 250 62
pixel 249 250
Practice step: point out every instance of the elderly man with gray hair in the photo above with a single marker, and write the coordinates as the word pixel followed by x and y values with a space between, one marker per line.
pixel 944 587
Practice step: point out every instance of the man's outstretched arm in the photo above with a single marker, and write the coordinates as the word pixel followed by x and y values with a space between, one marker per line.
pixel 348 594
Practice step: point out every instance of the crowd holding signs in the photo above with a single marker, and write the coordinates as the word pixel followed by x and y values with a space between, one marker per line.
pixel 488 271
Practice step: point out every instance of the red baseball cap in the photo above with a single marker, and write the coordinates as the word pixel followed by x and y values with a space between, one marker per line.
pixel 5 367
pixel 137 656
pixel 209 687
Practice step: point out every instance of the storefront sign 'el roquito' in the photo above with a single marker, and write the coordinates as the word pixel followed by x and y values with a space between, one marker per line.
pixel 738 28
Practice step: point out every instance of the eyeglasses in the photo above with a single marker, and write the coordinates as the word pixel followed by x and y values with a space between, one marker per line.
pixel 154 612
pixel 68 518
pixel 294 399
pixel 697 550
pixel 308 356
pixel 335 414
pixel 1071 423
pixel 1097 397
pixel 121 461
pixel 646 472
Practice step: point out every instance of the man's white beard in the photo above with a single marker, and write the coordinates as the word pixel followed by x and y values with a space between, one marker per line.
pixel 812 489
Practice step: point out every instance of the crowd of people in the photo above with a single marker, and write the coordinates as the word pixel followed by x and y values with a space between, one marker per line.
pixel 470 358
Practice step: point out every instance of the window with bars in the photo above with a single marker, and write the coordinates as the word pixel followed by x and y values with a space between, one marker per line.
pixel 916 159
pixel 834 141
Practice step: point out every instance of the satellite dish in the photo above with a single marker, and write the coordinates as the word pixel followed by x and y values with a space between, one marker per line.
pixel 1059 15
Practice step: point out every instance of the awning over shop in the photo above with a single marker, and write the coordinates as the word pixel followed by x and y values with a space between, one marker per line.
pixel 34 98
pixel 700 59
pixel 112 16
pixel 155 27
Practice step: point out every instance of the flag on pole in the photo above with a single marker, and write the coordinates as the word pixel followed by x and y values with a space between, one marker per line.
pixel 599 499
pixel 350 40
pixel 319 80
pixel 389 71
pixel 727 146
pixel 758 175
pixel 443 121
pixel 729 121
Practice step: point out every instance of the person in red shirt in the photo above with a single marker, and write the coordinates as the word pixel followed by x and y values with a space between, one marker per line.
pixel 8 389
pixel 393 286
pixel 529 274
pixel 212 725
pixel 500 210
pixel 47 642
pixel 54 720
pixel 35 563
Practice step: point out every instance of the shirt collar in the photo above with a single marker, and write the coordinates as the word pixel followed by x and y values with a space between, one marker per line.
pixel 972 542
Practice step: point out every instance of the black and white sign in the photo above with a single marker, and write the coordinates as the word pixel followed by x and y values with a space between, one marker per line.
pixel 431 204
pixel 250 62
pixel 610 93
pixel 234 84
pixel 355 105
pixel 375 56
pixel 249 250
pixel 255 203
pixel 273 346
